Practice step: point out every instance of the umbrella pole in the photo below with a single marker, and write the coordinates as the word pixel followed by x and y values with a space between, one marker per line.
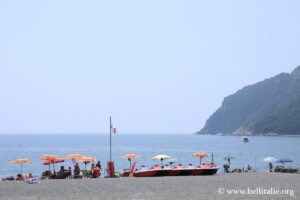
pixel 200 160
pixel 110 127
pixel 85 165
pixel 21 168
pixel 53 167
pixel 129 163
pixel 49 167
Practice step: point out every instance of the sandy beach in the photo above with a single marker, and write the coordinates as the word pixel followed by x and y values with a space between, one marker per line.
pixel 176 188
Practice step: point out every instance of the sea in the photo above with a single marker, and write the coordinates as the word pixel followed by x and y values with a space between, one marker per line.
pixel 179 146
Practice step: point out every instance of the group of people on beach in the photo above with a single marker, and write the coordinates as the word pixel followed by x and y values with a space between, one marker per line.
pixel 226 168
pixel 94 172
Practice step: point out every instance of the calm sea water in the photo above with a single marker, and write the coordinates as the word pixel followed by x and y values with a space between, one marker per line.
pixel 179 146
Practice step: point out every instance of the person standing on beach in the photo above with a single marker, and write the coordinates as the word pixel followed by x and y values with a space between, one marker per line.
pixel 270 167
pixel 70 173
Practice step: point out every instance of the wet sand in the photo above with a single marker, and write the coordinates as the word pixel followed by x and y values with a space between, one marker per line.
pixel 172 188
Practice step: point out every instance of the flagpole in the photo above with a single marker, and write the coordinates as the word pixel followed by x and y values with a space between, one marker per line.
pixel 110 139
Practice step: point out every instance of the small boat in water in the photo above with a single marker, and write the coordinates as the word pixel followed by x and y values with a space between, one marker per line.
pixel 245 139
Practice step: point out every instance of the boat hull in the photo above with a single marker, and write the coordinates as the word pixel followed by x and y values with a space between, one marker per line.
pixel 204 171
pixel 177 172
pixel 150 173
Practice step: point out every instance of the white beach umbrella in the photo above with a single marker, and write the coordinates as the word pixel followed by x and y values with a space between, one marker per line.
pixel 270 159
pixel 161 158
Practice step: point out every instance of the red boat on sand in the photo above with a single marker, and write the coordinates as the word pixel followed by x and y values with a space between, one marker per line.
pixel 179 170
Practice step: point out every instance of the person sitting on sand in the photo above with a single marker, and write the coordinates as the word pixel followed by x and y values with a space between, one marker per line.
pixel 61 172
pixel 226 168
pixel 236 170
pixel 99 165
pixel 249 168
pixel 20 178
pixel 96 172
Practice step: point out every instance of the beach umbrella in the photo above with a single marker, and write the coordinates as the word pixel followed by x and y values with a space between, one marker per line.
pixel 21 161
pixel 74 157
pixel 200 155
pixel 284 160
pixel 129 157
pixel 87 160
pixel 228 158
pixel 50 158
pixel 270 159
pixel 161 158
pixel 48 162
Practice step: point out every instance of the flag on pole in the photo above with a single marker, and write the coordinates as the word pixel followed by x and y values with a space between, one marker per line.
pixel 113 128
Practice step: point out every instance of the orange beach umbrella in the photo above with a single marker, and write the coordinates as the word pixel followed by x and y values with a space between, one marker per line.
pixel 21 161
pixel 200 155
pixel 51 159
pixel 86 160
pixel 129 157
pixel 74 157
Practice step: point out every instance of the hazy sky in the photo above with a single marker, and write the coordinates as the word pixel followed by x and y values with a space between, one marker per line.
pixel 155 66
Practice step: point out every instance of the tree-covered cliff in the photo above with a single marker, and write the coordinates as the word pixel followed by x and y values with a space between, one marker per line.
pixel 271 106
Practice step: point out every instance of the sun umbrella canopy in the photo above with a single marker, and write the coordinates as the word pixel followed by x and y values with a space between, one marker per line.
pixel 52 159
pixel 76 156
pixel 270 159
pixel 86 159
pixel 48 162
pixel 161 157
pixel 200 154
pixel 130 156
pixel 22 160
pixel 229 158
pixel 49 157
pixel 284 160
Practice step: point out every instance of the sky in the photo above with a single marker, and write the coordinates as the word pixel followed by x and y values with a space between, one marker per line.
pixel 154 66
